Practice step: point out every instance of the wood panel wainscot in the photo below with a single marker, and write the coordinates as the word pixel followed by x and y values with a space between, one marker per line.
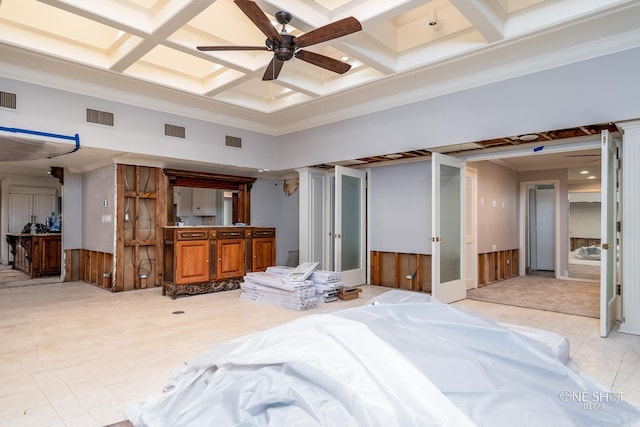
pixel 210 259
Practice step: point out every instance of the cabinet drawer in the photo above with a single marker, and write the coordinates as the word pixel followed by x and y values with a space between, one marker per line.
pixel 191 235
pixel 230 234
pixel 264 232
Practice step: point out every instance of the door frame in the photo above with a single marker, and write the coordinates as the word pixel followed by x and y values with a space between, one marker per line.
pixel 472 209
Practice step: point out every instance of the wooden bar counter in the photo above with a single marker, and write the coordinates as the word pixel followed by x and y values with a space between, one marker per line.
pixel 36 254
pixel 205 259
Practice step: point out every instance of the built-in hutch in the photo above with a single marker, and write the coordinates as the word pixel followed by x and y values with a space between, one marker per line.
pixel 210 259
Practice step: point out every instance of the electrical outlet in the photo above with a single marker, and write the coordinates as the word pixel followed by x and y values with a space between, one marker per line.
pixel 105 203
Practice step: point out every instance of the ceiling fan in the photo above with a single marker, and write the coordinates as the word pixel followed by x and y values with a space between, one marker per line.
pixel 285 46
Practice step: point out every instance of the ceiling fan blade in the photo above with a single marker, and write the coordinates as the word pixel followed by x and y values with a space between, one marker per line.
pixel 328 32
pixel 223 48
pixel 259 19
pixel 323 61
pixel 273 69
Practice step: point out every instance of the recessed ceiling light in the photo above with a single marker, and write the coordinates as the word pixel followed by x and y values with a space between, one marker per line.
pixel 584 172
pixel 345 58
pixel 591 177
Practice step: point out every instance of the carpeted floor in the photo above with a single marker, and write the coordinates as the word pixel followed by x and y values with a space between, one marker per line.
pixel 562 296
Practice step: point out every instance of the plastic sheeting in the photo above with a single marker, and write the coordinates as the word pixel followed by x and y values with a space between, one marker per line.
pixel 394 362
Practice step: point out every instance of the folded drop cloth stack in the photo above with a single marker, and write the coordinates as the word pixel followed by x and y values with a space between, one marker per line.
pixel 291 290
pixel 325 283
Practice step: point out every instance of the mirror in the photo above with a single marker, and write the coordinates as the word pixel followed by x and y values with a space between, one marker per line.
pixel 584 235
pixel 202 206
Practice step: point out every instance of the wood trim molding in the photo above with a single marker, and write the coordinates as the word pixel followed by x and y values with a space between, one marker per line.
pixel 185 178
pixel 240 184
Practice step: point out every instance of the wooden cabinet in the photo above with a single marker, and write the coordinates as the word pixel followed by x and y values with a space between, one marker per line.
pixel 36 254
pixel 210 259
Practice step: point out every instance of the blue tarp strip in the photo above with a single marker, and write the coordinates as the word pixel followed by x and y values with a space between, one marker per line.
pixel 75 137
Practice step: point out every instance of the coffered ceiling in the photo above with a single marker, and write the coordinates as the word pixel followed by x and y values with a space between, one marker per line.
pixel 143 52
pixel 148 48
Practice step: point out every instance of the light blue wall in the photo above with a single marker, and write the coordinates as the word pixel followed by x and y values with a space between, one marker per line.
pixel 400 208
pixel 497 222
pixel 598 90
pixel 270 207
pixel 98 185
pixel 72 210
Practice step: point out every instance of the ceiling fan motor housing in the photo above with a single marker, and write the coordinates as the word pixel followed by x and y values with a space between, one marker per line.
pixel 285 50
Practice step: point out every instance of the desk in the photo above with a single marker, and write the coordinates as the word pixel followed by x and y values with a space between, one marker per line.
pixel 36 254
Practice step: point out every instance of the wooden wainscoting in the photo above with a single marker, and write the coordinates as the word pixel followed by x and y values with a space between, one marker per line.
pixel 391 269
pixel 579 242
pixel 89 266
pixel 496 266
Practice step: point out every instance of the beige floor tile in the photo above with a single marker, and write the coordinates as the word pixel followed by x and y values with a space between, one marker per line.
pixel 77 355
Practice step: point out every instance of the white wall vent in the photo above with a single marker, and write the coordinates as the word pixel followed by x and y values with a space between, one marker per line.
pixel 233 141
pixel 8 100
pixel 100 117
pixel 175 131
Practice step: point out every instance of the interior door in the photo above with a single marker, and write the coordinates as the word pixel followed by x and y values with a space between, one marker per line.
pixel 608 218
pixel 448 228
pixel 349 227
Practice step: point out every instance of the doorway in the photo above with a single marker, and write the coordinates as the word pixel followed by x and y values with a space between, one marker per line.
pixel 333 221
pixel 540 230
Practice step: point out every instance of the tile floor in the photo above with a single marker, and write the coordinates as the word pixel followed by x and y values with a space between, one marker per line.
pixel 76 355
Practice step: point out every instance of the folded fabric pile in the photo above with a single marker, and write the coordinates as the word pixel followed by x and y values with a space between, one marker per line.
pixel 325 283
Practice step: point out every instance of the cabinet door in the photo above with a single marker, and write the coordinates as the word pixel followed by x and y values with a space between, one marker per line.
pixel 264 253
pixel 204 201
pixel 230 258
pixel 192 263
pixel 50 255
pixel 19 211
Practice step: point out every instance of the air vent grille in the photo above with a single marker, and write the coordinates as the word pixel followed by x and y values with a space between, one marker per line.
pixel 99 117
pixel 174 131
pixel 233 141
pixel 8 100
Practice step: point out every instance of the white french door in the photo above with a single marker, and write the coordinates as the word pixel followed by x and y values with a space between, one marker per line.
pixel 349 226
pixel 448 228
pixel 608 218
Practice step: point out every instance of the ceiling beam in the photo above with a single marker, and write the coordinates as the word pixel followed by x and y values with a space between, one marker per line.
pixel 482 14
